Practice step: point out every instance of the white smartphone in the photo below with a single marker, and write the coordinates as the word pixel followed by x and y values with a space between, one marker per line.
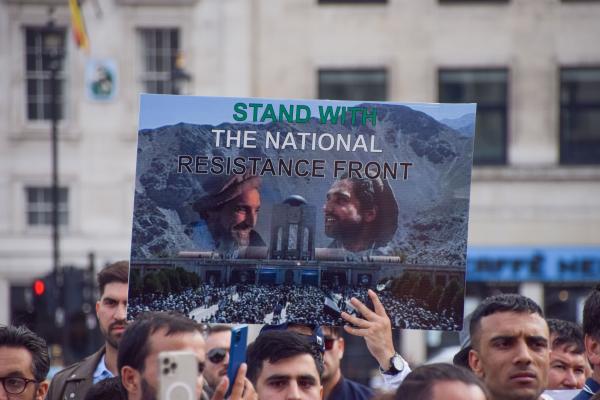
pixel 177 375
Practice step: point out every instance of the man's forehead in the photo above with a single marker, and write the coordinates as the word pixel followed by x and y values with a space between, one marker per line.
pixel 510 323
pixel 159 341
pixel 15 359
pixel 293 367
pixel 566 354
pixel 116 291
pixel 218 339
pixel 343 187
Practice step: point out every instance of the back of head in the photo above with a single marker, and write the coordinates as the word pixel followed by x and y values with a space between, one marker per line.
pixel 501 303
pixel 591 314
pixel 134 346
pixel 20 336
pixel 116 272
pixel 418 385
pixel 274 346
pixel 566 333
pixel 110 388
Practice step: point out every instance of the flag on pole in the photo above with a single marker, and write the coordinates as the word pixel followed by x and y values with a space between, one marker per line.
pixel 78 26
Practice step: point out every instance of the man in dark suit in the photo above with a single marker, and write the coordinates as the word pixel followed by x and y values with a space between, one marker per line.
pixel 73 382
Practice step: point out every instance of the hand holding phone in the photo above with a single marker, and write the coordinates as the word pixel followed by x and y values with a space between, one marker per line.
pixel 237 353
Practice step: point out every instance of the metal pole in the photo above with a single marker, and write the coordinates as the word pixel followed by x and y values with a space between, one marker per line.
pixel 55 194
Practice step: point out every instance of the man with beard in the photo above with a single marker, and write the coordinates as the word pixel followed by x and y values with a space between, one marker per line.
pixel 361 214
pixel 156 332
pixel 568 365
pixel 74 381
pixel 218 341
pixel 510 352
pixel 229 214
pixel 24 364
pixel 591 330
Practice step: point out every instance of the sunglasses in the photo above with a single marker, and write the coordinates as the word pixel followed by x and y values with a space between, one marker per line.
pixel 329 341
pixel 216 355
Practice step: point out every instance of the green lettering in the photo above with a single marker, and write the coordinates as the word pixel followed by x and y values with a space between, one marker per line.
pixel 328 114
pixel 284 112
pixel 299 117
pixel 269 113
pixel 240 112
pixel 255 107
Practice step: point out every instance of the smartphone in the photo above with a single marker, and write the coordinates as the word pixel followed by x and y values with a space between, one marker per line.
pixel 237 353
pixel 177 375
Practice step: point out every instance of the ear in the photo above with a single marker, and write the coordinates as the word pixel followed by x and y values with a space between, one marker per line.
pixel 370 215
pixel 592 350
pixel 97 307
pixel 130 379
pixel 475 363
pixel 341 346
pixel 42 389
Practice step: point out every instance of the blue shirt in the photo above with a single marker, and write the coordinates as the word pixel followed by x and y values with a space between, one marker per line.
pixel 101 373
pixel 591 387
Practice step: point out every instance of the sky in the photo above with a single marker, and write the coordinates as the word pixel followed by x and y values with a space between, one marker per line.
pixel 215 110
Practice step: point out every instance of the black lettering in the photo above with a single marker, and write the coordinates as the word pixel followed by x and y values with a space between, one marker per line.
pixel 184 162
pixel 318 166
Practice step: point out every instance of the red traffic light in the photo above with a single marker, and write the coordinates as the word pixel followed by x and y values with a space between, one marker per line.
pixel 39 287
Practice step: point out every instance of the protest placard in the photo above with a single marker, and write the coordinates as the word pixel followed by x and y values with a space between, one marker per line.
pixel 267 211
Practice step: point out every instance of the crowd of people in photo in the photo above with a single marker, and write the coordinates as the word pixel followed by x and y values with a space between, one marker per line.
pixel 259 304
pixel 509 348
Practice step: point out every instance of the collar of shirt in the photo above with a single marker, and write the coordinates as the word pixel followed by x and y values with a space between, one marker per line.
pixel 101 371
pixel 591 386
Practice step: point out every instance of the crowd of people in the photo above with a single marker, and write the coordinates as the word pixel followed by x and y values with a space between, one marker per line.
pixel 259 304
pixel 509 351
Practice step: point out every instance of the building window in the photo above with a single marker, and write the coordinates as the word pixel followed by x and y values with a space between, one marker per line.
pixel 39 206
pixel 160 49
pixel 489 89
pixel 580 116
pixel 353 84
pixel 37 64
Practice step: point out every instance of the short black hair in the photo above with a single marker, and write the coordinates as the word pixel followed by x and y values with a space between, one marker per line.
pixel 508 302
pixel 110 388
pixel 377 194
pixel 115 272
pixel 134 346
pixel 418 385
pixel 274 346
pixel 21 336
pixel 567 333
pixel 591 314
pixel 210 329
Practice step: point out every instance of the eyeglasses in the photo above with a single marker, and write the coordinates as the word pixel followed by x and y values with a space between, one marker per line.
pixel 15 385
pixel 216 355
pixel 329 341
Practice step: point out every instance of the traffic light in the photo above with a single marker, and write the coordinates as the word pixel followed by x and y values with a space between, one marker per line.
pixel 39 287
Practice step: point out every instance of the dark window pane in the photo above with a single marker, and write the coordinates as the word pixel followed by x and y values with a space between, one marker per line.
pixel 369 85
pixel 487 88
pixel 580 116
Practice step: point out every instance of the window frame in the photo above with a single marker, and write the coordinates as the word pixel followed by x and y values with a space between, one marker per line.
pixel 564 158
pixel 146 75
pixel 44 208
pixel 503 159
pixel 378 69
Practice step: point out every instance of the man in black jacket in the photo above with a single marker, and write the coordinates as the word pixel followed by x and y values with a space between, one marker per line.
pixel 73 382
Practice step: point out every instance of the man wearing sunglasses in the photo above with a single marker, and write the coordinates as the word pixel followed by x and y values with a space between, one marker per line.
pixel 156 332
pixel 24 364
pixel 218 339
pixel 335 385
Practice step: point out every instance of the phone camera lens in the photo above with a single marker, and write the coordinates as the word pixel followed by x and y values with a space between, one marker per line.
pixel 174 366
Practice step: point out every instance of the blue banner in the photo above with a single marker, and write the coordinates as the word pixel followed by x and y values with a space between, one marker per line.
pixel 545 264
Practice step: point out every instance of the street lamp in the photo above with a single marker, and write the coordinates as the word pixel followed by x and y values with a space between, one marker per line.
pixel 178 74
pixel 53 44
